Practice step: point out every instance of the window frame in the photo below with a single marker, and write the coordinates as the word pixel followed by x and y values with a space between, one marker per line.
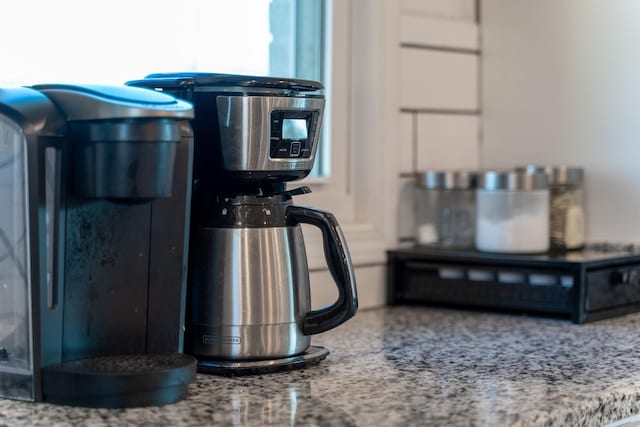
pixel 364 115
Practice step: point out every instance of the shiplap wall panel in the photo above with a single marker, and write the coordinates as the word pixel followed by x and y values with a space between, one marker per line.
pixel 426 31
pixel 447 142
pixel 438 80
pixel 444 9
pixel 438 84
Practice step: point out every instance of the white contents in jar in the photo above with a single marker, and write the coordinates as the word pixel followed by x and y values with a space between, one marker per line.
pixel 521 233
pixel 513 221
pixel 427 234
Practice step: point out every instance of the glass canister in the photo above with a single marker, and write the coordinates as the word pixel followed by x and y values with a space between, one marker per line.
pixel 512 214
pixel 445 208
pixel 566 212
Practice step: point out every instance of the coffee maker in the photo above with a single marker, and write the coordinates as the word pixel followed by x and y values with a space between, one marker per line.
pixel 249 304
pixel 95 184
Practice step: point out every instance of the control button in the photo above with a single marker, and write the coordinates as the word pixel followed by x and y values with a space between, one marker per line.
pixel 305 151
pixel 276 124
pixel 282 150
pixel 295 149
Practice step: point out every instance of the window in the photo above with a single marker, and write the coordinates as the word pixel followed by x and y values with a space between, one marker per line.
pixel 79 41
pixel 298 49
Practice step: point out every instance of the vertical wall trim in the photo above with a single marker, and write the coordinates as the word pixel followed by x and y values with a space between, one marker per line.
pixel 414 142
pixel 479 86
pixel 350 178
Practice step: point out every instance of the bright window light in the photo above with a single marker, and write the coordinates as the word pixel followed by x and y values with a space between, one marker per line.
pixel 112 42
pixel 79 41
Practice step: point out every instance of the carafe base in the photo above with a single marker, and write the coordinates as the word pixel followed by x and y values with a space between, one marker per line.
pixel 312 356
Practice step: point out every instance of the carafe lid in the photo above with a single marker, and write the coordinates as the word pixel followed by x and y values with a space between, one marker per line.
pixel 202 81
pixel 99 102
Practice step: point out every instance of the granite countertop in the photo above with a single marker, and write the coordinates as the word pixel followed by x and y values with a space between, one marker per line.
pixel 402 366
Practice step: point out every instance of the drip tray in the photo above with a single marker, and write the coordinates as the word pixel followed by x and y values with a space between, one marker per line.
pixel 120 381
pixel 311 357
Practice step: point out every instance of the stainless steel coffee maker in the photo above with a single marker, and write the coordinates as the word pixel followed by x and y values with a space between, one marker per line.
pixel 94 188
pixel 249 306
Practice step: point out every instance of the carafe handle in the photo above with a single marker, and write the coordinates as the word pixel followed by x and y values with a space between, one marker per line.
pixel 339 262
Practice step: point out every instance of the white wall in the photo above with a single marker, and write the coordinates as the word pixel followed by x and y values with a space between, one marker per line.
pixel 561 85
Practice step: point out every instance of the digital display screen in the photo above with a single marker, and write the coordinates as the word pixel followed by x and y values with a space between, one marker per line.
pixel 294 129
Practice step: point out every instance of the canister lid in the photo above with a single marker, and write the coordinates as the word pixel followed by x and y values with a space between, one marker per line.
pixel 494 180
pixel 447 179
pixel 559 174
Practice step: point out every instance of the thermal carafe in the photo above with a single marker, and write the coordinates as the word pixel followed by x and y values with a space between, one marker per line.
pixel 249 296
pixel 257 305
pixel 95 184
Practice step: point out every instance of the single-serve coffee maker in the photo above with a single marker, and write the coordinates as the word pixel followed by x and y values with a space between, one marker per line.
pixel 94 188
pixel 249 306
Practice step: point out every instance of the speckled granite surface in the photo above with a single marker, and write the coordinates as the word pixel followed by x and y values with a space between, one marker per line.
pixel 414 366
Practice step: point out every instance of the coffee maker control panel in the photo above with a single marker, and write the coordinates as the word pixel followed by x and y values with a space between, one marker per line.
pixel 292 133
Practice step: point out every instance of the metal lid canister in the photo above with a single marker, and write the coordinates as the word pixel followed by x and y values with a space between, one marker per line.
pixel 445 208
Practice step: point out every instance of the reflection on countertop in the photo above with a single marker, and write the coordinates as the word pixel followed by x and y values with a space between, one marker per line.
pixel 414 366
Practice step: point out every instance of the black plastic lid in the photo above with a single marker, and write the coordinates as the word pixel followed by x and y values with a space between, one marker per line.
pixel 114 93
pixel 175 80
pixel 100 102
